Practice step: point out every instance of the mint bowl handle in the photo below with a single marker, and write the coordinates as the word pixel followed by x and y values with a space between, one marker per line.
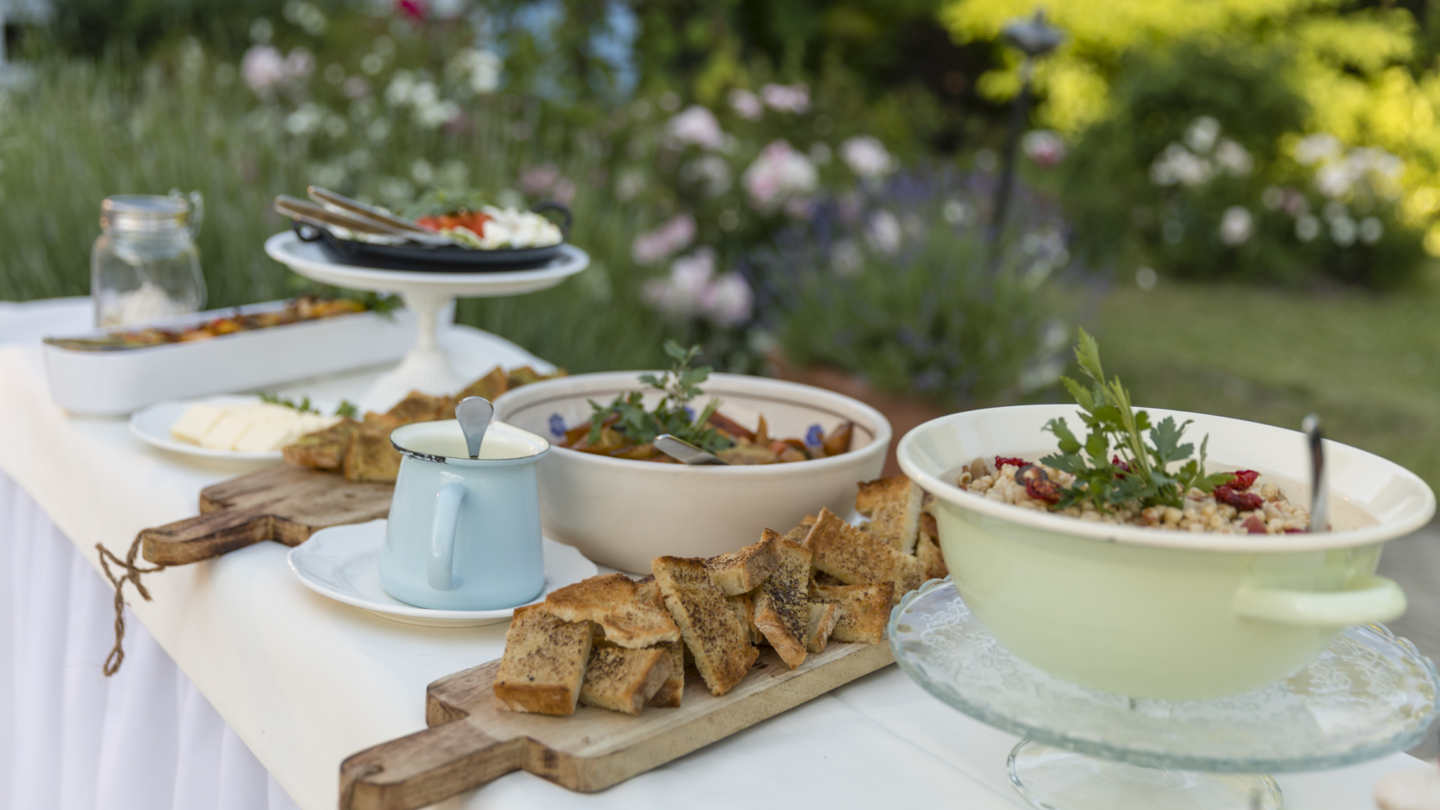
pixel 1366 600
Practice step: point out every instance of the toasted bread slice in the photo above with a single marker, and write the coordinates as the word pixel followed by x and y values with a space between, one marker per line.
pixel 669 694
pixel 864 610
pixel 418 407
pixel 893 506
pixel 648 592
pixel 782 602
pixel 742 571
pixel 544 663
pixel 615 602
pixel 821 623
pixel 744 605
pixel 323 449
pixel 855 556
pixel 718 642
pixel 797 534
pixel 490 386
pixel 371 457
pixel 927 550
pixel 624 680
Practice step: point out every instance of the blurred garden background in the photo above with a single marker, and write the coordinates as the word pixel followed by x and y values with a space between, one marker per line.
pixel 1240 198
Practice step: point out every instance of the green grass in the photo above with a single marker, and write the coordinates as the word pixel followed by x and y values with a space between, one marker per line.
pixel 1368 364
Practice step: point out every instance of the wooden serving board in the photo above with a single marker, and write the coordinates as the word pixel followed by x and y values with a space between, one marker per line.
pixel 285 503
pixel 471 742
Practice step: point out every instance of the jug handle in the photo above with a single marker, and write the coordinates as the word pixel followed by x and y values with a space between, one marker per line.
pixel 440 571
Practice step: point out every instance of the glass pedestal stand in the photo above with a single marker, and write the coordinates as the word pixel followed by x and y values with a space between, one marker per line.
pixel 1369 695
pixel 426 367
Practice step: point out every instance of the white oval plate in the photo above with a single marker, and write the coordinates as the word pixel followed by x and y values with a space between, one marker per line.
pixel 341 563
pixel 152 426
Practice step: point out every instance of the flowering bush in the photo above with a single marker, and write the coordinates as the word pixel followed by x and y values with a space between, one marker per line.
pixel 1366 72
pixel 1208 182
pixel 721 183
pixel 898 285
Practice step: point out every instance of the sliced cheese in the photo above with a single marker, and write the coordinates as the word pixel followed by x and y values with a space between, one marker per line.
pixel 259 427
pixel 196 422
pixel 268 436
pixel 226 432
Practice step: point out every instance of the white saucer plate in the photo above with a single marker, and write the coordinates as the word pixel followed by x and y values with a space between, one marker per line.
pixel 341 563
pixel 152 426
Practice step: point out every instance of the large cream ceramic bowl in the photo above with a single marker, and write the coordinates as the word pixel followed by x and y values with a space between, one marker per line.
pixel 1156 614
pixel 626 513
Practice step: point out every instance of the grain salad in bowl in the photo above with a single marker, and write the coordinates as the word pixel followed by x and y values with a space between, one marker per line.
pixel 1244 506
pixel 1099 544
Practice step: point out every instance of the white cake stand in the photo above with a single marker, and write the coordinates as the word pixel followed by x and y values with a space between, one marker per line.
pixel 427 367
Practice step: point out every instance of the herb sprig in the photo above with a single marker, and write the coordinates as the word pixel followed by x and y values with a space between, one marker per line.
pixel 672 414
pixel 346 407
pixel 1115 463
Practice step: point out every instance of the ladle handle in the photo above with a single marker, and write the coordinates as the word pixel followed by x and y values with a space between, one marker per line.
pixel 440 572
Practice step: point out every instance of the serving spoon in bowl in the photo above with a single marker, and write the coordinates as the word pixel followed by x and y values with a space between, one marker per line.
pixel 685 452
pixel 1319 488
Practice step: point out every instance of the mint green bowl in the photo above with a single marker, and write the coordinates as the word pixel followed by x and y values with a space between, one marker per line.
pixel 1158 614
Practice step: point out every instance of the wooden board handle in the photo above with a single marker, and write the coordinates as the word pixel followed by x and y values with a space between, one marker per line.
pixel 426 767
pixel 208 535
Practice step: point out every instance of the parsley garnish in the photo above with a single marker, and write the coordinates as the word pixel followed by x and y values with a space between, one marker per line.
pixel 1115 464
pixel 346 407
pixel 681 384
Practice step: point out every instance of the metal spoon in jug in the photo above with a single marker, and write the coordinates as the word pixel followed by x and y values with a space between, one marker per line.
pixel 474 415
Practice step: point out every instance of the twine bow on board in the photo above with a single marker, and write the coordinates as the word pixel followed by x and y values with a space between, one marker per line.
pixel 132 574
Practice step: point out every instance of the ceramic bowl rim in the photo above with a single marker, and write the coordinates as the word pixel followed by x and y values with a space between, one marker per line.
pixel 606 380
pixel 1404 524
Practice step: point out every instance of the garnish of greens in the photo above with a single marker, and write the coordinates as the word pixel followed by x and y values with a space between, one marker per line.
pixel 445 201
pixel 681 384
pixel 1124 457
pixel 346 407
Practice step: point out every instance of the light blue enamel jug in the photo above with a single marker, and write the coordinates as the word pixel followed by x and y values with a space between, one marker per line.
pixel 463 533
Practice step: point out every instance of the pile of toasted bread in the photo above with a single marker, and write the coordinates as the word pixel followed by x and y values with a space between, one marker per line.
pixel 623 644
pixel 361 449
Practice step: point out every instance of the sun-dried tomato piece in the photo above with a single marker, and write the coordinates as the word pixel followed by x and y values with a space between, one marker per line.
pixel 1001 461
pixel 1254 525
pixel 1297 531
pixel 1243 501
pixel 1115 460
pixel 1042 489
pixel 1243 480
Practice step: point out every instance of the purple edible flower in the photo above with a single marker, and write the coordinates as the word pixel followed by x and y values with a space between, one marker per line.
pixel 689 412
pixel 557 425
pixel 814 436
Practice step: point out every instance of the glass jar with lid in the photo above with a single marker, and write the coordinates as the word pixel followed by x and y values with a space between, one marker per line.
pixel 144 265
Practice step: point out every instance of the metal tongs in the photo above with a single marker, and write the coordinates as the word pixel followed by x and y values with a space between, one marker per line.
pixel 336 210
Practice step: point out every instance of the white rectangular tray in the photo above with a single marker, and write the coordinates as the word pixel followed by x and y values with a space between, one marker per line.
pixel 117 382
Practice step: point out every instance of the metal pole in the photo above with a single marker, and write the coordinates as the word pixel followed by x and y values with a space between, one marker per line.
pixel 1018 112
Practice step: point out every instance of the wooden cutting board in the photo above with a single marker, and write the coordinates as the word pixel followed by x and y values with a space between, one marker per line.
pixel 285 503
pixel 470 742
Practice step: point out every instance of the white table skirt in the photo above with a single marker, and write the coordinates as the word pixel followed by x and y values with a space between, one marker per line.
pixel 304 682
pixel 71 739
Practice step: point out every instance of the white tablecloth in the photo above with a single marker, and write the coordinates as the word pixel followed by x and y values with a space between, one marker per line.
pixel 304 682
pixel 71 738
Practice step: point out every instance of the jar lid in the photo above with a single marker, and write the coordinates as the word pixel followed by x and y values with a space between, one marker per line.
pixel 144 212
